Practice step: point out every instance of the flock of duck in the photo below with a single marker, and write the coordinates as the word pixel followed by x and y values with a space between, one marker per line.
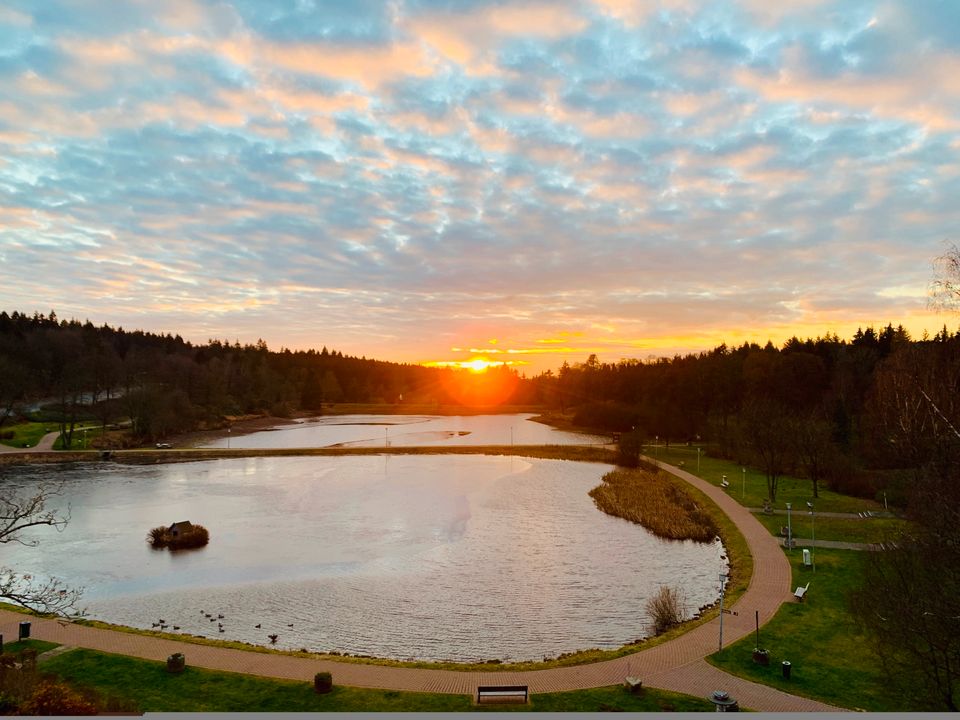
pixel 163 625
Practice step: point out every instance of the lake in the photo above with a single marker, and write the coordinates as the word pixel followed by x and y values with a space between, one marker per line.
pixel 409 430
pixel 445 557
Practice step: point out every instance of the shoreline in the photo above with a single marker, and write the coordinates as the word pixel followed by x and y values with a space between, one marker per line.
pixel 246 425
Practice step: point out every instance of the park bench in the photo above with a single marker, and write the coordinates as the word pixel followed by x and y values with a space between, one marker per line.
pixel 800 592
pixel 502 694
pixel 724 483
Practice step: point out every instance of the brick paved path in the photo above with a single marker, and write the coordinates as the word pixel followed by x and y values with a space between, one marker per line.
pixel 675 665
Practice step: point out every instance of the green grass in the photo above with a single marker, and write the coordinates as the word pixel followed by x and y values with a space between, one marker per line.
pixel 81 440
pixel 871 530
pixel 41 646
pixel 28 433
pixel 153 689
pixel 753 491
pixel 831 659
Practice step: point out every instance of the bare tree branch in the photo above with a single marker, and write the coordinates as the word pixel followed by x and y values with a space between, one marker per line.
pixel 19 513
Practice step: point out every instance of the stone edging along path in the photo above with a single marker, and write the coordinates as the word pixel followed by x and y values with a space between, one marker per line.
pixel 676 665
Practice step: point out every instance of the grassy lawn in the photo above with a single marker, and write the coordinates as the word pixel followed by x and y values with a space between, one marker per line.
pixel 41 646
pixel 81 440
pixel 831 660
pixel 872 530
pixel 28 433
pixel 153 689
pixel 750 489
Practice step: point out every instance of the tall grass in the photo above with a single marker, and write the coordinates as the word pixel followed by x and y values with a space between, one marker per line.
pixel 650 499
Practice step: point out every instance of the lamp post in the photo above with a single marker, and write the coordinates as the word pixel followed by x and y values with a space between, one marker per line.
pixel 743 484
pixel 656 442
pixel 698 461
pixel 789 529
pixel 228 437
pixel 813 535
pixel 723 585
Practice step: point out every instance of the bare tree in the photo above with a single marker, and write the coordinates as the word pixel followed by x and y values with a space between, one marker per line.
pixel 17 514
pixel 765 430
pixel 945 286
pixel 910 599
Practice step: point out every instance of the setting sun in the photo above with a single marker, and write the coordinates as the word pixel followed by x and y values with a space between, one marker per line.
pixel 479 365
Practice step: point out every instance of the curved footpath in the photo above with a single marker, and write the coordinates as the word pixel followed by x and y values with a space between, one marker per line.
pixel 676 665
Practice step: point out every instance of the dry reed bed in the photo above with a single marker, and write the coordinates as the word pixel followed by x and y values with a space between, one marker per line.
pixel 650 499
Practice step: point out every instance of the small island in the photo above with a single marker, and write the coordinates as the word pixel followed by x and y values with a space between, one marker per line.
pixel 179 536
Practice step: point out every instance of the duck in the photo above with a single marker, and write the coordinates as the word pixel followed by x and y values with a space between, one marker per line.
pixel 176 627
pixel 257 626
pixel 273 638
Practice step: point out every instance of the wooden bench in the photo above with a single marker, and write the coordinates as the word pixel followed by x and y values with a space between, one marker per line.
pixel 724 483
pixel 502 694
pixel 800 592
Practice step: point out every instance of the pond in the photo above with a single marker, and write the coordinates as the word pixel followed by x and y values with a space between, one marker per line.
pixel 444 557
pixel 409 430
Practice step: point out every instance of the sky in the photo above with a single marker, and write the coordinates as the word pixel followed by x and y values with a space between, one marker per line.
pixel 474 181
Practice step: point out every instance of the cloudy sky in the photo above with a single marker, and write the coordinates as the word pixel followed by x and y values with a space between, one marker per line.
pixel 433 181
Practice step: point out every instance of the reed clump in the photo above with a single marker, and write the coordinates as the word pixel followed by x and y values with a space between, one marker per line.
pixel 650 499
pixel 193 536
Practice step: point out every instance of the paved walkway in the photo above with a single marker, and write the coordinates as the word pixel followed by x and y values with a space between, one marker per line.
pixel 676 665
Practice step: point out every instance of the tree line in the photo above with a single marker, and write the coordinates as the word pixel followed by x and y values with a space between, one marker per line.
pixel 860 414
pixel 67 370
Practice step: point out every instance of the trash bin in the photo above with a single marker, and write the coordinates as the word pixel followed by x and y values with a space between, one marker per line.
pixel 24 630
pixel 806 558
pixel 786 669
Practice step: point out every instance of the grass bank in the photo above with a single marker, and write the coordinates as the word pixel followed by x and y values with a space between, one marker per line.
pixel 830 658
pixel 153 689
pixel 750 488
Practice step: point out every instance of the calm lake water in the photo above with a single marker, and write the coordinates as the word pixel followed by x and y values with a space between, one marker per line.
pixel 430 557
pixel 406 430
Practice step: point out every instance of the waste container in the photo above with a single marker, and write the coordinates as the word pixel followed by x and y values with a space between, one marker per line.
pixel 806 557
pixel 24 630
pixel 785 665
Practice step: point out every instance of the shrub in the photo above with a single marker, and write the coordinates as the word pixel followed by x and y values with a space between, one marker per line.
pixel 665 609
pixel 53 698
pixel 323 682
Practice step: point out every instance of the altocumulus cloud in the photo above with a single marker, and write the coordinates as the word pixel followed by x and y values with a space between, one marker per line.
pixel 397 179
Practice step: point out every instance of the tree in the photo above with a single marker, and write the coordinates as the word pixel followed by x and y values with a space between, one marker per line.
pixel 17 514
pixel 813 445
pixel 766 432
pixel 945 286
pixel 910 598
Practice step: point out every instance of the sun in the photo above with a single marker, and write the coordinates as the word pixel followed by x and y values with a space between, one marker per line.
pixel 479 365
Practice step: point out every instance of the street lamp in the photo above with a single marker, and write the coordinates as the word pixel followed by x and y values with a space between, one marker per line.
pixel 813 535
pixel 789 529
pixel 698 461
pixel 723 585
pixel 228 437
pixel 743 484
pixel 656 442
